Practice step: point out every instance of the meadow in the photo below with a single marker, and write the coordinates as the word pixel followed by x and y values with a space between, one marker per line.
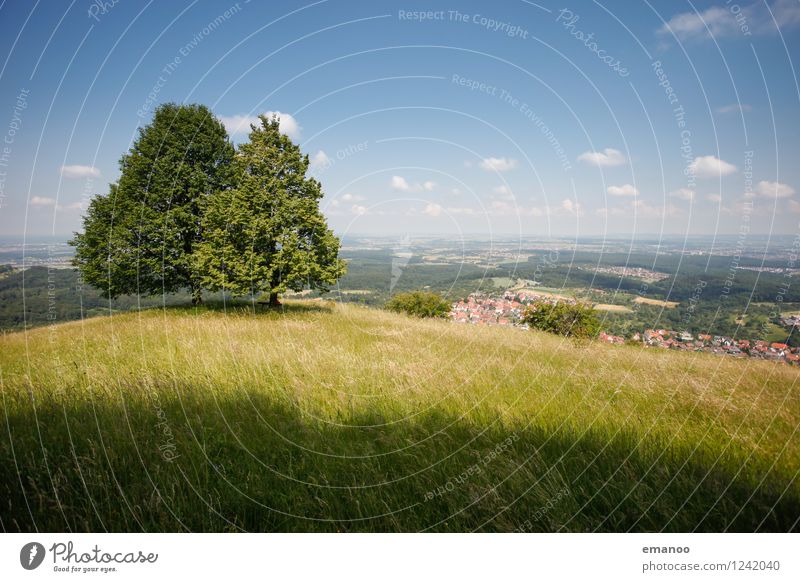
pixel 335 417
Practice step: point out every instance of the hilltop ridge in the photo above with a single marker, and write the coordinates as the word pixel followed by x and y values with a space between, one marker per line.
pixel 330 417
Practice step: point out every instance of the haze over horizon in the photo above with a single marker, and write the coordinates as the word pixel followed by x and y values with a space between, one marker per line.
pixel 507 119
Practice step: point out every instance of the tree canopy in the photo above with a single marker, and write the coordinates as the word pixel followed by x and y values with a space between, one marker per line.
pixel 573 320
pixel 140 237
pixel 190 212
pixel 419 304
pixel 267 234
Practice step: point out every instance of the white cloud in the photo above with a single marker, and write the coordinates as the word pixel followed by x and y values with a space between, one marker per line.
pixel 723 21
pixel 401 184
pixel 80 171
pixel 624 190
pixel 358 209
pixel 716 20
pixel 498 164
pixel 742 207
pixel 710 167
pixel 42 201
pixel 787 13
pixel 238 124
pixel 346 199
pixel 320 160
pixel 570 206
pixel 767 189
pixel 504 192
pixel 436 210
pixel 608 157
pixel 433 209
pixel 288 123
pixel 714 198
pixel 683 194
pixel 734 108
pixel 794 206
pixel 645 209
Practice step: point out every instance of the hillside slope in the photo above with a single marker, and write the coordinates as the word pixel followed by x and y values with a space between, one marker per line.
pixel 338 418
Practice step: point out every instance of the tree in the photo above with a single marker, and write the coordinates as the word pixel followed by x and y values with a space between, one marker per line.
pixel 140 237
pixel 267 235
pixel 419 304
pixel 573 320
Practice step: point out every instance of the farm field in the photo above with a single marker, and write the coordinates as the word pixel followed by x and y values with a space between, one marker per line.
pixel 656 302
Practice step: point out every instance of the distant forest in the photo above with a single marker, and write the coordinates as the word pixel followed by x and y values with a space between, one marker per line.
pixel 69 302
pixel 370 280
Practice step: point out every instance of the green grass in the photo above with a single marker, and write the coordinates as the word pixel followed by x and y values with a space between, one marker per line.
pixel 502 282
pixel 338 418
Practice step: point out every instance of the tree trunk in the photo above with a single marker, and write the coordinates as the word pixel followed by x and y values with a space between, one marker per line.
pixel 197 296
pixel 273 300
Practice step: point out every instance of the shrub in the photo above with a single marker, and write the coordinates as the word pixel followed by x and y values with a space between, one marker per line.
pixel 419 304
pixel 572 320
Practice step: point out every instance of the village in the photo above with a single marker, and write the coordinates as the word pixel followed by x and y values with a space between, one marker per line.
pixel 623 271
pixel 508 310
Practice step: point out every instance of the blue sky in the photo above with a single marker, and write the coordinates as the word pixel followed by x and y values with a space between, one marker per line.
pixel 510 117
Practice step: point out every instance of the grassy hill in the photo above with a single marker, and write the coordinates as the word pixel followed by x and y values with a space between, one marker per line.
pixel 340 418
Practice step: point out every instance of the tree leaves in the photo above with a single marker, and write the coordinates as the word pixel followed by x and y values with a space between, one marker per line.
pixel 419 304
pixel 267 234
pixel 189 212
pixel 573 320
pixel 141 236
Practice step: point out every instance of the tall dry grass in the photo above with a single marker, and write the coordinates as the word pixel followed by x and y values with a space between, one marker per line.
pixel 330 417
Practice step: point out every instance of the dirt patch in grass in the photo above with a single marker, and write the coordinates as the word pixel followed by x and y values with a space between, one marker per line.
pixel 612 307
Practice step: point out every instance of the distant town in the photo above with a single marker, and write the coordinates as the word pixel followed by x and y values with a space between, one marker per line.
pixel 728 298
pixel 509 308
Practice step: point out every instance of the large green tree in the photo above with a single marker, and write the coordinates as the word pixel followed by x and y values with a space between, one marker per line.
pixel 140 237
pixel 267 234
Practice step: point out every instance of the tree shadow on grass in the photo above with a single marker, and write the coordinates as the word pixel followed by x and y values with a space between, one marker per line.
pixel 253 308
pixel 186 460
